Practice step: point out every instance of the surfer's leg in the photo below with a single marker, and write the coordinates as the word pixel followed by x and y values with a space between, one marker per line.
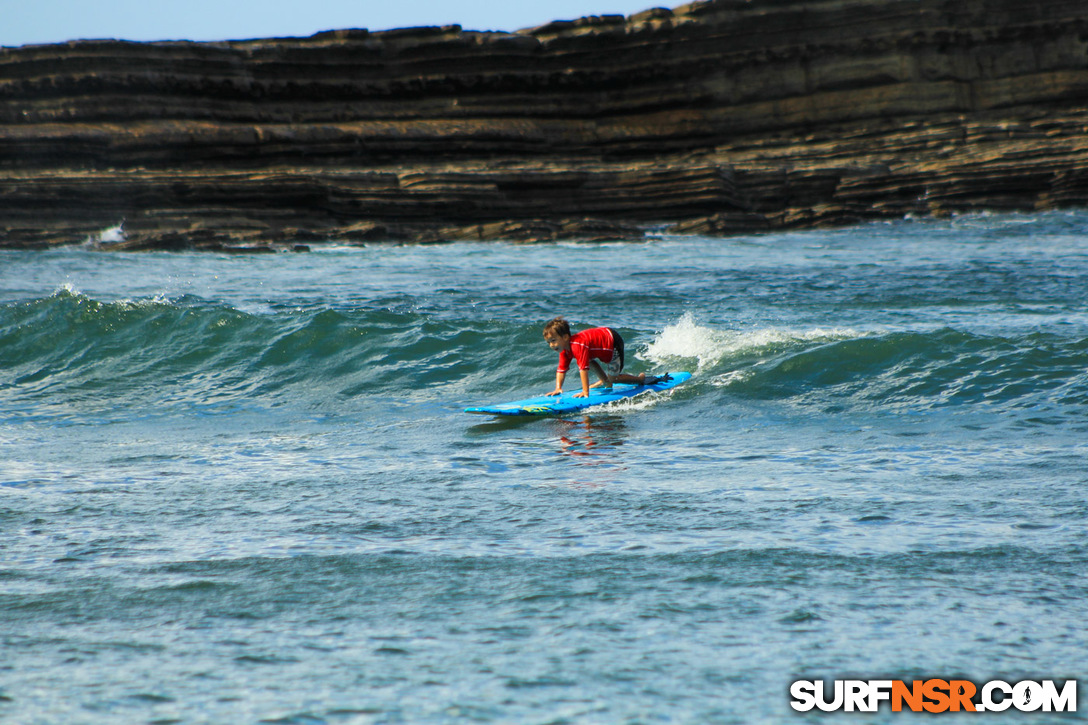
pixel 615 366
pixel 605 379
pixel 616 374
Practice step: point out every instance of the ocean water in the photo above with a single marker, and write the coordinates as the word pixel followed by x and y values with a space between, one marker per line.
pixel 243 489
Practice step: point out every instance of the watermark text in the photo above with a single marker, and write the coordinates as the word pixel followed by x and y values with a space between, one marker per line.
pixel 934 695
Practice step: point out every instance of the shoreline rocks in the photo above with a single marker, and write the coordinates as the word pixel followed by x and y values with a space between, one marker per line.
pixel 719 117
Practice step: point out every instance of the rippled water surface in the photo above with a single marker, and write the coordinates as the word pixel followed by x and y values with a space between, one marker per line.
pixel 243 489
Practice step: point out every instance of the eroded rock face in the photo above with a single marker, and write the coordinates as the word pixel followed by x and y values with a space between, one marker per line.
pixel 714 118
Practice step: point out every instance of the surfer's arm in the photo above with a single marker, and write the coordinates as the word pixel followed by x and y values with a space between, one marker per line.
pixel 560 375
pixel 585 384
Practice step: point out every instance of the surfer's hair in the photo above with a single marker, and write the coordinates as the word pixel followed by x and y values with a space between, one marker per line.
pixel 558 326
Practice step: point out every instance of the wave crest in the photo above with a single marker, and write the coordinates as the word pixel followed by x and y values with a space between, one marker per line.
pixel 892 369
pixel 686 342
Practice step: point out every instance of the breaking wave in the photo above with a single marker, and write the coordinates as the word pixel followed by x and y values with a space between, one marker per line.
pixel 76 356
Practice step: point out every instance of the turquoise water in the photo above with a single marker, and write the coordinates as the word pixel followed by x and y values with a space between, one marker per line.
pixel 242 489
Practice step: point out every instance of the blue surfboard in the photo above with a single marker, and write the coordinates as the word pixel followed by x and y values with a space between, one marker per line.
pixel 567 403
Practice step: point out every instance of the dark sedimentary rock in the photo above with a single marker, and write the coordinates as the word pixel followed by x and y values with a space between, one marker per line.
pixel 716 118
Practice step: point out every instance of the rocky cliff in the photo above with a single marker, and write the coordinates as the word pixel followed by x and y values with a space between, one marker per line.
pixel 716 117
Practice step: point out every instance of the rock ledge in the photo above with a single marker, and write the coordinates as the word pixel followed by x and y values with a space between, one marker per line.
pixel 718 117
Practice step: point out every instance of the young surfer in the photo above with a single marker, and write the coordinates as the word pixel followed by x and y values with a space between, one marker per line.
pixel 589 348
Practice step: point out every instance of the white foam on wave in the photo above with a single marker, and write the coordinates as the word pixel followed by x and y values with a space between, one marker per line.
pixel 110 235
pixel 158 300
pixel 635 403
pixel 67 290
pixel 687 340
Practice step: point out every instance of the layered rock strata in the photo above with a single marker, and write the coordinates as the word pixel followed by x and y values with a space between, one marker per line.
pixel 717 117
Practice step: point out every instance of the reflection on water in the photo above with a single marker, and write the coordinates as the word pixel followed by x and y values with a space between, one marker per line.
pixel 592 438
pixel 593 443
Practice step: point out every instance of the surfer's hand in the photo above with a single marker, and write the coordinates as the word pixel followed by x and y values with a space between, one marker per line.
pixel 557 391
pixel 580 395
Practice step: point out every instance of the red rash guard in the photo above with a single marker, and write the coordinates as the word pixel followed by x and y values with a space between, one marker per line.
pixel 595 343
